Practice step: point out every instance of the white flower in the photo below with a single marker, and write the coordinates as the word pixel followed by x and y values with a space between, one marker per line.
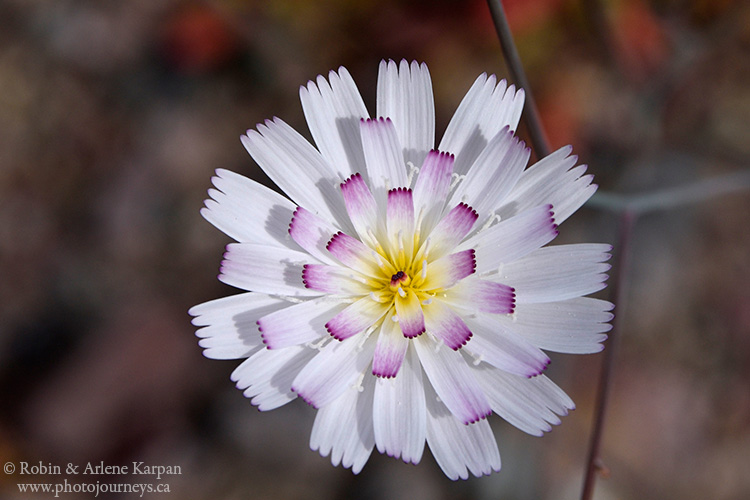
pixel 405 292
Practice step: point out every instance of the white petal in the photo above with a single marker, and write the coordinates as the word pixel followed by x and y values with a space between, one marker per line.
pixel 452 379
pixel 336 368
pixel 297 168
pixel 551 180
pixel 405 96
pixel 501 347
pixel 344 429
pixel 456 446
pixel 493 175
pixel 557 273
pixel 383 156
pixel 333 111
pixel 247 211
pixel 512 238
pixel 229 329
pixel 531 404
pixel 575 326
pixel 266 377
pixel 399 413
pixel 484 111
pixel 265 269
pixel 298 323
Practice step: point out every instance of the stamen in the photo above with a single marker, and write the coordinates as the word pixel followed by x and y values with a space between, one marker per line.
pixel 358 384
pixel 401 292
pixel 413 169
pixel 493 218
pixel 424 270
pixel 456 179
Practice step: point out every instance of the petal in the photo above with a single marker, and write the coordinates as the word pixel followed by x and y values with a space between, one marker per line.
pixel 344 429
pixel 557 272
pixel 551 180
pixel 312 233
pixel 389 350
pixel 431 188
pixel 442 322
pixel 399 412
pixel 531 404
pixel 353 253
pixel 453 381
pixel 383 156
pixel 575 326
pixel 493 174
pixel 335 368
pixel 513 238
pixel 362 208
pixel 405 96
pixel 458 447
pixel 298 323
pixel 400 222
pixel 485 110
pixel 447 271
pixel 265 269
pixel 451 230
pixel 481 295
pixel 248 211
pixel 356 318
pixel 297 168
pixel 335 280
pixel 266 377
pixel 409 312
pixel 501 347
pixel 333 112
pixel 229 329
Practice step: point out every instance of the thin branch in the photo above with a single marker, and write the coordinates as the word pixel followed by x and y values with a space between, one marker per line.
pixel 619 285
pixel 673 197
pixel 531 116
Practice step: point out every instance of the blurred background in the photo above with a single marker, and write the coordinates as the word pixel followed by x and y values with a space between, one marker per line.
pixel 114 115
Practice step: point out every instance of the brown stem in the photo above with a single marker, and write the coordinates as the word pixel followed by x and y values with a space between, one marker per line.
pixel 531 116
pixel 619 287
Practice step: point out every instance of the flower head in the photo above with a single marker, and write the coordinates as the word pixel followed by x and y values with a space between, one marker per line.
pixel 404 291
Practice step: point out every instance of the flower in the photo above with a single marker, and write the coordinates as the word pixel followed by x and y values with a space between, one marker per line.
pixel 405 292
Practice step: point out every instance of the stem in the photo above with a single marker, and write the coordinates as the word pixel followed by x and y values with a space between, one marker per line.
pixel 531 116
pixel 622 256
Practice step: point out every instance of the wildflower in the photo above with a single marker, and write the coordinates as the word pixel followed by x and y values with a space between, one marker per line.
pixel 405 292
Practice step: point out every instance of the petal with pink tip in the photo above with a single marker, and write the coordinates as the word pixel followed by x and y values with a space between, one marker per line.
pixel 383 155
pixel 453 380
pixel 451 230
pixel 447 271
pixel 390 349
pixel 356 318
pixel 400 220
pixel 335 280
pixel 482 295
pixel 442 322
pixel 431 188
pixel 353 253
pixel 298 323
pixel 409 312
pixel 311 233
pixel 361 207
